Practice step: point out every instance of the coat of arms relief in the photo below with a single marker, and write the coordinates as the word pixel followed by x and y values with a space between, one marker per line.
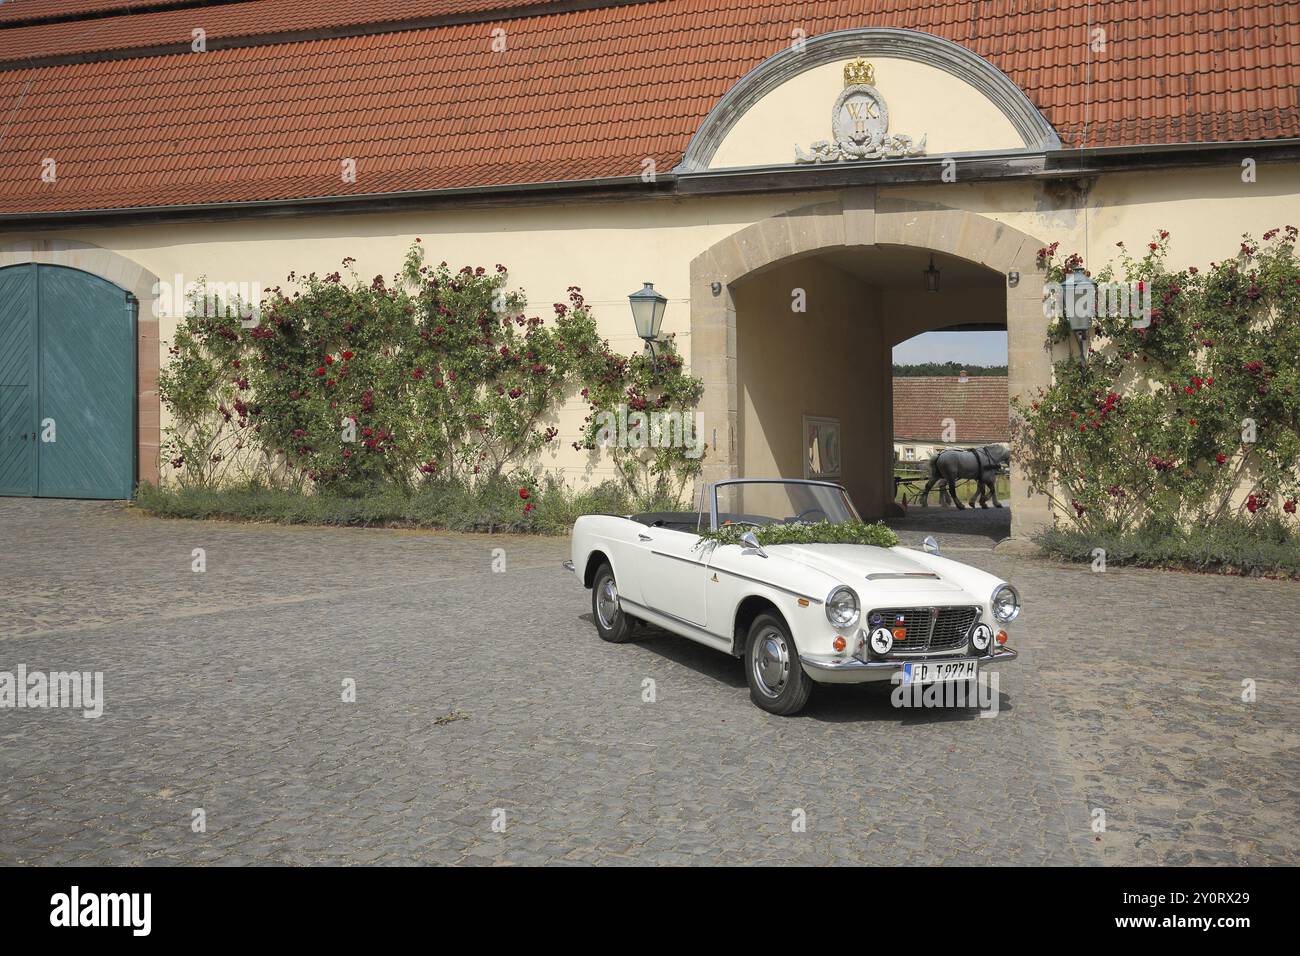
pixel 860 124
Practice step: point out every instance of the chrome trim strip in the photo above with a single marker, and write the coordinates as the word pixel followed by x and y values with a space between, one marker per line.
pixel 737 574
pixel 892 575
pixel 678 557
pixel 769 584
pixel 853 664
pixel 714 639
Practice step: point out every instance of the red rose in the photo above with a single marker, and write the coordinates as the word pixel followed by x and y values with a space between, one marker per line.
pixel 1289 506
pixel 523 493
pixel 418 373
pixel 528 508
pixel 1221 458
pixel 347 356
pixel 329 360
pixel 320 371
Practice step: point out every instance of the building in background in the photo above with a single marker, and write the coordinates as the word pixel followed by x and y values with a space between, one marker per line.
pixel 932 413
pixel 809 184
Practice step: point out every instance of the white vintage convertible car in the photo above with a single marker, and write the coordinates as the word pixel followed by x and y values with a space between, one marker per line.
pixel 797 614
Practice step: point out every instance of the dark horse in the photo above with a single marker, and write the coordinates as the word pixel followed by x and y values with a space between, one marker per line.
pixel 982 464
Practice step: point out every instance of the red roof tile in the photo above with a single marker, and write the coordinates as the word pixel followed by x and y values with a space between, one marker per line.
pixel 584 93
pixel 978 407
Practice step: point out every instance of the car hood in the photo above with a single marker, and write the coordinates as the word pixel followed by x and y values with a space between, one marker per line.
pixel 887 569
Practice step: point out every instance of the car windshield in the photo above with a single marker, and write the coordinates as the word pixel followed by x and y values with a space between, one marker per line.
pixel 781 502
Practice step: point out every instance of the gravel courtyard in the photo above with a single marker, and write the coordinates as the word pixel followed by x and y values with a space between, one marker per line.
pixel 491 725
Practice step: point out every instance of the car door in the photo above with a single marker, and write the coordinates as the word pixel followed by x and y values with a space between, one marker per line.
pixel 672 573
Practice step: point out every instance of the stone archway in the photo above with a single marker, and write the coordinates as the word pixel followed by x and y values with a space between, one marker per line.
pixel 859 218
pixel 140 283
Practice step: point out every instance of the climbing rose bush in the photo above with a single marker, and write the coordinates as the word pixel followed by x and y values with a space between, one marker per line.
pixel 1187 422
pixel 432 375
pixel 654 457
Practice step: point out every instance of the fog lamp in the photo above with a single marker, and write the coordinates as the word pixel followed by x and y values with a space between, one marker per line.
pixel 882 642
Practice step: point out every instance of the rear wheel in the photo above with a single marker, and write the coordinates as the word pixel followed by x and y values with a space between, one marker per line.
pixel 611 623
pixel 776 679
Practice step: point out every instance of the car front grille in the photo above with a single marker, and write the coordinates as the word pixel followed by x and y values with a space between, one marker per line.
pixel 948 632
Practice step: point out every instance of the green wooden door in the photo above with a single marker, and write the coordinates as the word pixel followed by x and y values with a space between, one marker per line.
pixel 87 393
pixel 69 381
pixel 18 380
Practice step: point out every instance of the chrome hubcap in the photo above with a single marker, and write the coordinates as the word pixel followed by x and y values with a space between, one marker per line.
pixel 607 604
pixel 771 662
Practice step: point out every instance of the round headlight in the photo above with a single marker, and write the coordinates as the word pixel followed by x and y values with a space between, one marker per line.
pixel 882 642
pixel 842 607
pixel 981 637
pixel 1006 603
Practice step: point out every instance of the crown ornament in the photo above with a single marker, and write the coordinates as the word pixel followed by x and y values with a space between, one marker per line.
pixel 859 73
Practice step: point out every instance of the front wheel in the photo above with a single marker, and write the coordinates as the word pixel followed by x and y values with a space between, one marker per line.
pixel 775 675
pixel 611 623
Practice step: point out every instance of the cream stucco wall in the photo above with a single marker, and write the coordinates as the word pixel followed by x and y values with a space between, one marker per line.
pixel 607 249
pixel 923 100
pixel 830 362
pixel 610 248
pixel 1205 210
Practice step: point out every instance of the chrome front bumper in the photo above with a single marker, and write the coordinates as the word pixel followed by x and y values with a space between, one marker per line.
pixel 850 670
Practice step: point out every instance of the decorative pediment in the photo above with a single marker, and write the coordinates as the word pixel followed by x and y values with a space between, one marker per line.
pixel 860 124
pixel 943 99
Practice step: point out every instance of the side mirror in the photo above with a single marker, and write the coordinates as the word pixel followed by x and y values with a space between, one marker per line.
pixel 750 540
pixel 930 544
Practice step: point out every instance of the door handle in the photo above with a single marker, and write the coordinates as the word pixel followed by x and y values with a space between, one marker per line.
pixel 644 537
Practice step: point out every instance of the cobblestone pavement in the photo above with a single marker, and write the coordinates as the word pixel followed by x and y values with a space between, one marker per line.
pixel 223 692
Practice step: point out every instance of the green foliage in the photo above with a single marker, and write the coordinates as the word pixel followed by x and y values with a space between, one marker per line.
pixel 433 377
pixel 204 387
pixel 817 532
pixel 948 369
pixel 490 505
pixel 1233 545
pixel 1188 421
pixel 642 413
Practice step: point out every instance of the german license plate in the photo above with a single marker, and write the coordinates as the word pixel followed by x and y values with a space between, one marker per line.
pixel 938 672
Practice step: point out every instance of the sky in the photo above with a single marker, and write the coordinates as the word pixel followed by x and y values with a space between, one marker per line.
pixel 976 348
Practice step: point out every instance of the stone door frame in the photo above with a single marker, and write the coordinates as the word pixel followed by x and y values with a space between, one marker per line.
pixel 858 218
pixel 143 285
